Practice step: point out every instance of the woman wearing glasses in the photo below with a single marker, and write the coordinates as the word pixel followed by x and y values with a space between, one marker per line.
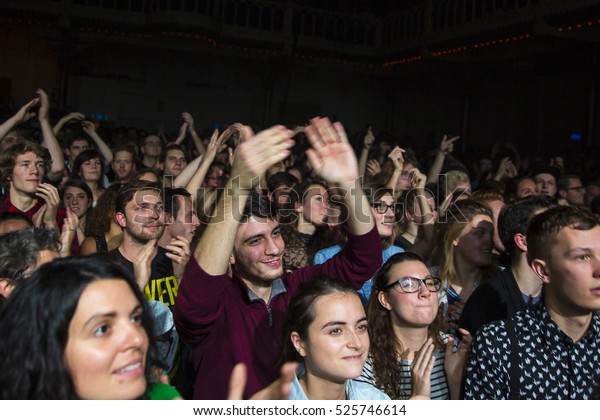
pixel 417 360
pixel 383 210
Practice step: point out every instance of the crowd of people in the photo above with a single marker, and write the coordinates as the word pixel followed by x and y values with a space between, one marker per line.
pixel 284 264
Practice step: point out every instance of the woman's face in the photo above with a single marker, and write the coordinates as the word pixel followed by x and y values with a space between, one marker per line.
pixel 315 205
pixel 91 170
pixel 76 200
pixel 475 242
pixel 107 346
pixel 417 309
pixel 404 183
pixel 384 221
pixel 337 342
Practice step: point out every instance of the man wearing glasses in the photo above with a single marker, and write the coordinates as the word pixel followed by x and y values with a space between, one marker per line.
pixel 551 351
pixel 572 190
pixel 151 149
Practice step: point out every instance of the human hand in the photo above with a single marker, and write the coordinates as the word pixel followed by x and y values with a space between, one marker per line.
pixel 142 264
pixel 49 194
pixel 89 127
pixel 447 144
pixel 37 218
pixel 417 178
pixel 396 157
pixel 73 116
pixel 189 120
pixel 373 167
pixel 69 228
pixel 43 113
pixel 421 368
pixel 278 390
pixel 179 253
pixel 255 155
pixel 453 314
pixel 503 168
pixel 455 362
pixel 331 155
pixel 368 139
pixel 26 112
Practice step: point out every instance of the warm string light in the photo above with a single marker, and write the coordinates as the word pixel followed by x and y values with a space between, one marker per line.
pixel 579 25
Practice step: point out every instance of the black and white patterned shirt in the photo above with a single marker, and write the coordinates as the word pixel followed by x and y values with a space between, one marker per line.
pixel 549 365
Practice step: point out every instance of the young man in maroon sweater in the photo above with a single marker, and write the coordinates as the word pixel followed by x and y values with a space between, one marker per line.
pixel 238 318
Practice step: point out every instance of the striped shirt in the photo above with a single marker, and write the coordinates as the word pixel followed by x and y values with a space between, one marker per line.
pixel 439 385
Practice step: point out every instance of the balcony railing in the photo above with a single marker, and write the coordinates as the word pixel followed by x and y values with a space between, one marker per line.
pixel 283 22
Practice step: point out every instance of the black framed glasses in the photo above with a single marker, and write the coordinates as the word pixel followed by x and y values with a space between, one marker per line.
pixel 413 284
pixel 381 207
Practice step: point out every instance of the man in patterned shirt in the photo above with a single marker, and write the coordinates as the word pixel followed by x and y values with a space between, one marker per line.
pixel 551 351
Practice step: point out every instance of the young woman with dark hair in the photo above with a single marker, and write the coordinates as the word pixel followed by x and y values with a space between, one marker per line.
pixel 326 330
pixel 410 357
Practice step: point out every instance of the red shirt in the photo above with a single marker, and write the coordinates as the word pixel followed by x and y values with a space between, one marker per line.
pixel 225 326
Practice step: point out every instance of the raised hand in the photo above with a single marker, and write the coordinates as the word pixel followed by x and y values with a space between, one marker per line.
pixel 255 155
pixel 188 119
pixel 369 138
pixel 331 156
pixel 43 113
pixel 447 144
pixel 373 167
pixel 88 126
pixel 396 157
pixel 417 178
pixel 26 112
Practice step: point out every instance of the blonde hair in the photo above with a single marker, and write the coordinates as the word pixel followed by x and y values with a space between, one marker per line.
pixel 458 216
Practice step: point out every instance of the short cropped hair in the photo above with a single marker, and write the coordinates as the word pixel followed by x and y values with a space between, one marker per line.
pixel 544 227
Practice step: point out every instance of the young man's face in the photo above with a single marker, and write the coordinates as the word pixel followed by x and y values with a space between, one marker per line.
pixel 573 269
pixel 27 173
pixel 575 192
pixel 144 218
pixel 123 165
pixel 174 163
pixel 258 250
pixel 152 146
pixel 186 221
pixel 77 147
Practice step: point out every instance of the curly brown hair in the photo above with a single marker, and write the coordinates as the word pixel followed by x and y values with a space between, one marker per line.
pixel 386 347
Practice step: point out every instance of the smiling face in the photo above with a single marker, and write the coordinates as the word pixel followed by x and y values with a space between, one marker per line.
pixel 27 173
pixel 475 243
pixel 572 271
pixel 186 221
pixel 76 200
pixel 385 221
pixel 404 183
pixel 258 250
pixel 91 170
pixel 144 218
pixel 107 345
pixel 412 310
pixel 337 342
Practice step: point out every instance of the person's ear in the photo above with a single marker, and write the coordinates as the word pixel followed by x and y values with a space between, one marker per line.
pixel 384 300
pixel 121 219
pixel 520 241
pixel 540 268
pixel 298 343
pixel 231 259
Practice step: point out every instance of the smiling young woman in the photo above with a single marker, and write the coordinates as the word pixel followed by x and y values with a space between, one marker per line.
pixel 91 330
